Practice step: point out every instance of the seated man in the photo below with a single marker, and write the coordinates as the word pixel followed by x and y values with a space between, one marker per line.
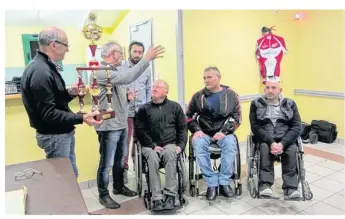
pixel 213 114
pixel 276 124
pixel 162 131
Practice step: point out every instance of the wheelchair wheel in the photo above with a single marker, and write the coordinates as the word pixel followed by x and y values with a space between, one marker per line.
pixel 252 188
pixel 192 190
pixel 308 195
pixel 138 169
pixel 147 201
pixel 184 200
pixel 238 190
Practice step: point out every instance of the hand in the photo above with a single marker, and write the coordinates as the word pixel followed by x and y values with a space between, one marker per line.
pixel 280 148
pixel 275 148
pixel 73 91
pixel 154 53
pixel 131 94
pixel 198 134
pixel 218 136
pixel 90 120
pixel 178 149
pixel 158 149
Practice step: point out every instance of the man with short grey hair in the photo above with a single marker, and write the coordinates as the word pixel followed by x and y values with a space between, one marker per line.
pixel 112 134
pixel 46 98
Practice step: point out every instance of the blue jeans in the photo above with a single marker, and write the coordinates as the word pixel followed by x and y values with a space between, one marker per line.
pixel 228 146
pixel 61 145
pixel 113 150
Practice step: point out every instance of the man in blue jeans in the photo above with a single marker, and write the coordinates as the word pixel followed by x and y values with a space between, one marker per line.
pixel 213 114
pixel 113 133
pixel 46 98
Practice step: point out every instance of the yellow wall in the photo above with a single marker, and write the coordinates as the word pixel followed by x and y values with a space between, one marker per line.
pixel 164 33
pixel 320 58
pixel 227 39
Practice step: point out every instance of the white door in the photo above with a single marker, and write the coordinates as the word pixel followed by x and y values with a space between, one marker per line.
pixel 142 32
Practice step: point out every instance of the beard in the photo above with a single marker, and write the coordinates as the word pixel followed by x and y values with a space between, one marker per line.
pixel 135 60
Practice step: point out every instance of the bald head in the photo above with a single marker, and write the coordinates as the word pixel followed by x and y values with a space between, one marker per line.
pixel 160 89
pixel 53 41
pixel 272 89
pixel 49 35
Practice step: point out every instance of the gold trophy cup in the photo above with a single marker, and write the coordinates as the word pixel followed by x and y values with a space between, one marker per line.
pixel 93 32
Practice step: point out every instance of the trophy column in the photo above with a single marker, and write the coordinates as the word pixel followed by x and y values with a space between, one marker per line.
pixel 82 92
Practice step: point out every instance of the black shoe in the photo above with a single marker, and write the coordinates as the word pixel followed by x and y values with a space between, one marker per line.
pixel 226 191
pixel 157 205
pixel 211 193
pixel 169 203
pixel 108 202
pixel 124 191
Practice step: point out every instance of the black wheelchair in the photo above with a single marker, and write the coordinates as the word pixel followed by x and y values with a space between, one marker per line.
pixel 215 155
pixel 253 167
pixel 143 169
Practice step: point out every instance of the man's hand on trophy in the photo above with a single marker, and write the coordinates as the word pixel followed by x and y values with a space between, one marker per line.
pixel 89 118
pixel 154 52
pixel 73 91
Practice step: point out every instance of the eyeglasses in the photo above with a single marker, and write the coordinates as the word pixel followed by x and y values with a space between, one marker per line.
pixel 64 44
pixel 121 53
pixel 26 174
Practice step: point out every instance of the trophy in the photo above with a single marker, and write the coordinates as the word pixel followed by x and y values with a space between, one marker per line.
pixel 93 32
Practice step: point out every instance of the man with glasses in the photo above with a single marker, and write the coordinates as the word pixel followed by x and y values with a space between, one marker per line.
pixel 46 98
pixel 113 133
pixel 142 93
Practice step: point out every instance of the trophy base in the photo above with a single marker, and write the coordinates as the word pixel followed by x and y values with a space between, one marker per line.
pixel 105 115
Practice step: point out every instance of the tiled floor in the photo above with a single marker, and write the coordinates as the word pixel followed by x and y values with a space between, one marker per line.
pixel 325 172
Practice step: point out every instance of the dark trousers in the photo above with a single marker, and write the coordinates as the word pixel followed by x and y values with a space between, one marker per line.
pixel 288 163
pixel 113 150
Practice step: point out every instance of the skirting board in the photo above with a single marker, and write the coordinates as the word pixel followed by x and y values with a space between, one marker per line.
pixel 327 94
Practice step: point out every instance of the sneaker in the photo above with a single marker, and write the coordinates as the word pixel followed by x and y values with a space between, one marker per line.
pixel 265 190
pixel 157 205
pixel 169 203
pixel 108 202
pixel 293 193
pixel 124 191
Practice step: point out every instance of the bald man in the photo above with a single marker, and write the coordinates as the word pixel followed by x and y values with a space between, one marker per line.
pixel 161 129
pixel 46 98
pixel 276 124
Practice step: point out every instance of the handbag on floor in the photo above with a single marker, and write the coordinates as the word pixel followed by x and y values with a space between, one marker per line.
pixel 326 131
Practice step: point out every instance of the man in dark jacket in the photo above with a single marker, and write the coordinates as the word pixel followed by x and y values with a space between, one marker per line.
pixel 46 98
pixel 162 132
pixel 213 114
pixel 276 125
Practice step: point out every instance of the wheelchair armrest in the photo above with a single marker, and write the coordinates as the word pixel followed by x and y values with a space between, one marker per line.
pixel 299 144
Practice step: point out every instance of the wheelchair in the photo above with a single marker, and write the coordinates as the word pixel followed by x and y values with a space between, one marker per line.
pixel 215 155
pixel 143 169
pixel 253 167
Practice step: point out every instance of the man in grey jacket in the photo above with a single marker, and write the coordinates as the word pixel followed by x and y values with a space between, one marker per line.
pixel 113 133
pixel 142 89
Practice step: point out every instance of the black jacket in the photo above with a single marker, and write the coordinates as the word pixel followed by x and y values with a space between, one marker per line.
pixel 46 99
pixel 200 117
pixel 287 128
pixel 161 124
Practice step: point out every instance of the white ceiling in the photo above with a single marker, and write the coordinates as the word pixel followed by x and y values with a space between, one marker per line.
pixel 73 18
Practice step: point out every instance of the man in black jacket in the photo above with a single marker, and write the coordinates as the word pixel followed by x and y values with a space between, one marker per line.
pixel 46 98
pixel 162 131
pixel 276 125
pixel 213 114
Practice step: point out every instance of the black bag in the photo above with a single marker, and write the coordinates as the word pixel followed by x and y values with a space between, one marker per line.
pixel 326 131
pixel 305 131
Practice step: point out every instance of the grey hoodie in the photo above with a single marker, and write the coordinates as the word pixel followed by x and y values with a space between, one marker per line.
pixel 120 76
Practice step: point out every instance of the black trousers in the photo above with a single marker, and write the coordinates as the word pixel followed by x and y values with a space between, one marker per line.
pixel 288 163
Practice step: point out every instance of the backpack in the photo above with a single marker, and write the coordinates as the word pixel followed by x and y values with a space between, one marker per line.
pixel 305 131
pixel 326 131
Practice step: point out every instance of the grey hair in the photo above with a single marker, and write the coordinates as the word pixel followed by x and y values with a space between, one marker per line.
pixel 159 81
pixel 108 48
pixel 47 36
pixel 212 68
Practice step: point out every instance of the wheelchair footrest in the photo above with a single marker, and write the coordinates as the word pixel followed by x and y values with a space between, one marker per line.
pixel 267 197
pixel 293 199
